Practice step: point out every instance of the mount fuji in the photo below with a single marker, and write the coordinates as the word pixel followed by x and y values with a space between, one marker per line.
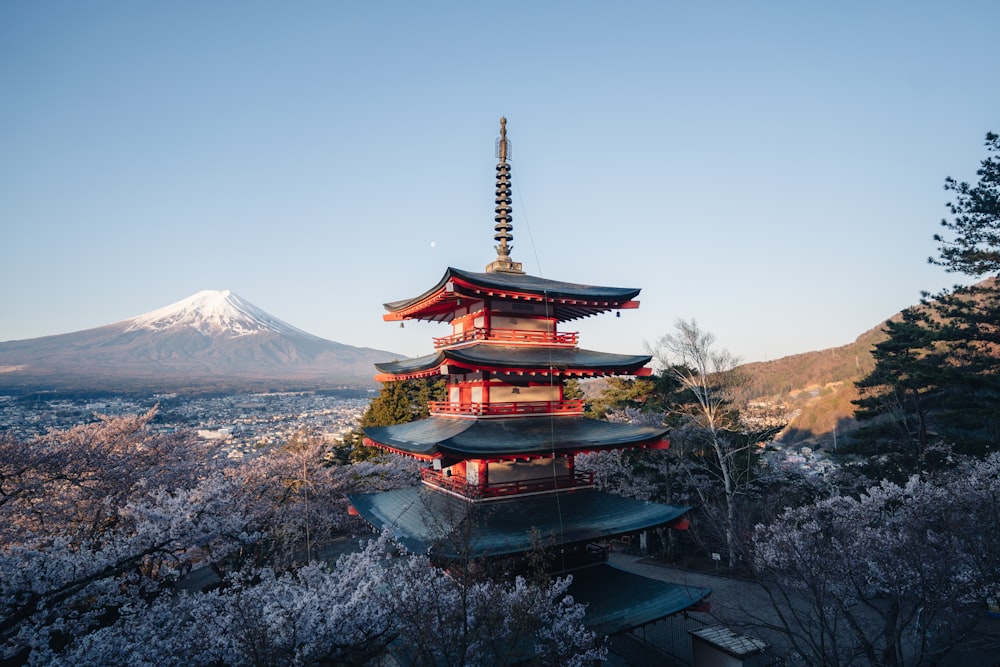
pixel 211 340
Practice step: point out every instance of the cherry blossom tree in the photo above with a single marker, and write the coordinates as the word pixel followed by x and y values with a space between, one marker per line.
pixel 372 603
pixel 97 522
pixel 96 515
pixel 898 576
pixel 297 500
pixel 633 473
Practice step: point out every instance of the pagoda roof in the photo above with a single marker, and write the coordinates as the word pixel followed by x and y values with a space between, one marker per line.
pixel 509 437
pixel 428 521
pixel 618 601
pixel 492 357
pixel 569 301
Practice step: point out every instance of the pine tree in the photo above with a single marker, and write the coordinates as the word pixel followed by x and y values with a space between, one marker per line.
pixel 970 400
pixel 391 406
pixel 938 374
pixel 975 223
pixel 572 391
pixel 398 402
pixel 620 393
pixel 971 315
pixel 897 396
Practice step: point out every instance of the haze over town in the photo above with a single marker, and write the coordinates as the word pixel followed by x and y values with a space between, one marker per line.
pixel 774 172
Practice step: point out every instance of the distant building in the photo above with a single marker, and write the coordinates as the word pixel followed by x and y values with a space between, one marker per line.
pixel 215 433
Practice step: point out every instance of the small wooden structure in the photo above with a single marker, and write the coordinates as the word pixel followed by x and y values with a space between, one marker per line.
pixel 719 646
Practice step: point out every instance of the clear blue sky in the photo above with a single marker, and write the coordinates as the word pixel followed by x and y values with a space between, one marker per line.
pixel 771 169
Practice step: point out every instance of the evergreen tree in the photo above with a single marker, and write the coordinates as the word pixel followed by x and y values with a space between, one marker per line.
pixel 972 314
pixel 647 395
pixel 896 397
pixel 391 406
pixel 398 402
pixel 937 374
pixel 620 393
pixel 572 390
pixel 975 224
pixel 970 400
pixel 422 393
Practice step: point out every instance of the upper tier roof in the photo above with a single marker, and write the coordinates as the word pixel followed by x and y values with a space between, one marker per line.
pixel 568 301
pixel 487 356
pixel 510 436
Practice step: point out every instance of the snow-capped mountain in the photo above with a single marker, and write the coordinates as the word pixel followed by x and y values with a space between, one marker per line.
pixel 214 313
pixel 211 339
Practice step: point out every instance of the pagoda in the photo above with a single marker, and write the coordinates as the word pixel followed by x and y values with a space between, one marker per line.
pixel 500 451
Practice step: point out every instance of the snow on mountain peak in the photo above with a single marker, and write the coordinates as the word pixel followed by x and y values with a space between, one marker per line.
pixel 213 312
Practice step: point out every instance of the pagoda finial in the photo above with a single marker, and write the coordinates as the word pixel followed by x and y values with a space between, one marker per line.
pixel 503 216
pixel 502 141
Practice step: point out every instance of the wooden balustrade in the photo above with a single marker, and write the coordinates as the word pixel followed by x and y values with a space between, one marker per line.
pixel 462 487
pixel 510 336
pixel 509 408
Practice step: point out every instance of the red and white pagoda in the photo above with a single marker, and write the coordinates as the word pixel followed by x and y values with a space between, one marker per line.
pixel 500 451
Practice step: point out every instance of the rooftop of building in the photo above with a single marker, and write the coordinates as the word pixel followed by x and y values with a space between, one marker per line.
pixel 429 521
pixel 443 437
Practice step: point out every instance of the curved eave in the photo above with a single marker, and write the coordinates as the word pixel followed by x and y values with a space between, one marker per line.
pixel 511 437
pixel 435 306
pixel 368 442
pixel 529 360
pixel 569 301
pixel 570 361
pixel 426 521
pixel 405 368
pixel 618 601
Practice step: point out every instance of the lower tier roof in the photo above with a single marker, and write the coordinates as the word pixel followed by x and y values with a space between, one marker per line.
pixel 618 601
pixel 499 358
pixel 425 520
pixel 509 436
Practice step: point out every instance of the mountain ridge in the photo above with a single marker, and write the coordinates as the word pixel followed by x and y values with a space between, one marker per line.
pixel 212 339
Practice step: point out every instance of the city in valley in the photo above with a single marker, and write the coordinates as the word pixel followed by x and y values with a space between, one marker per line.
pixel 246 423
pixel 242 423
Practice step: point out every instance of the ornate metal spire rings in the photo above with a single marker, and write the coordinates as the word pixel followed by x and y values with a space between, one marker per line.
pixel 503 217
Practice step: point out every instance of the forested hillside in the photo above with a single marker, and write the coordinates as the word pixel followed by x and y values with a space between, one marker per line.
pixel 815 388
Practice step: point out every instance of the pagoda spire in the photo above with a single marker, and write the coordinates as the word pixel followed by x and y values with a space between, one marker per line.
pixel 503 236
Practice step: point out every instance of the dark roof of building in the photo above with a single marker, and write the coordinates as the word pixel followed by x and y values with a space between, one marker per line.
pixel 733 643
pixel 431 521
pixel 618 601
pixel 591 298
pixel 490 356
pixel 494 438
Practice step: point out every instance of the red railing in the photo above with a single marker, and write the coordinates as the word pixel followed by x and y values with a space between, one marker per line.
pixel 498 490
pixel 510 336
pixel 497 409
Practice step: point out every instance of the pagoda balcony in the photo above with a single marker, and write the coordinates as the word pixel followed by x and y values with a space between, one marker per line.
pixel 510 336
pixel 459 486
pixel 446 408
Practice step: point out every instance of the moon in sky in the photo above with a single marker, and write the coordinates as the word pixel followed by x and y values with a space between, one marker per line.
pixel 434 244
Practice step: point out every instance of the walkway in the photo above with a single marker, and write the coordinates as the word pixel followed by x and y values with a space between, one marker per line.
pixel 743 606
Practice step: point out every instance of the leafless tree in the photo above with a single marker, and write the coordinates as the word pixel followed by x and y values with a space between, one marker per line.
pixel 709 436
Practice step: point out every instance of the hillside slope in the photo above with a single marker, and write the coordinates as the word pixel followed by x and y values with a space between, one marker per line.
pixel 816 388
